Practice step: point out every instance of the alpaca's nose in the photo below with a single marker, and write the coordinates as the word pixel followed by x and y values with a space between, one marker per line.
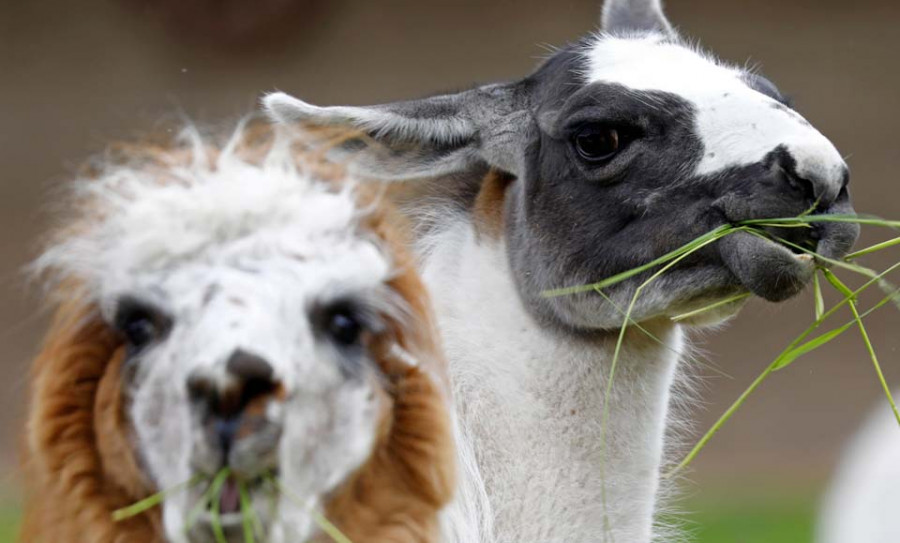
pixel 232 405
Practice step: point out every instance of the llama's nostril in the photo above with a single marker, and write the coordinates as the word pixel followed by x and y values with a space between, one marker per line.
pixel 816 182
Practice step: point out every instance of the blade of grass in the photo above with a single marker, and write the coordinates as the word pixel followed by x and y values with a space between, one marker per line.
pixel 839 285
pixel 152 501
pixel 817 292
pixel 812 208
pixel 869 220
pixel 203 504
pixel 789 357
pixel 782 225
pixel 873 249
pixel 216 505
pixel 768 371
pixel 248 515
pixel 865 336
pixel 710 307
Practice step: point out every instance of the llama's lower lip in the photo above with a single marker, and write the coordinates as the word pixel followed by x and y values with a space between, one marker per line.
pixel 765 268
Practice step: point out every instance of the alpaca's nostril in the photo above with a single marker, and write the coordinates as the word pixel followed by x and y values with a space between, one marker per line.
pixel 246 365
pixel 230 403
pixel 248 378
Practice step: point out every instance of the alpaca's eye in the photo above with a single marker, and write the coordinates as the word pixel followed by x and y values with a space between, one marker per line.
pixel 598 143
pixel 139 324
pixel 139 332
pixel 344 328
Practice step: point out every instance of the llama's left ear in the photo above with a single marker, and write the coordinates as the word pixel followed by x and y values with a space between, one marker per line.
pixel 622 16
pixel 419 138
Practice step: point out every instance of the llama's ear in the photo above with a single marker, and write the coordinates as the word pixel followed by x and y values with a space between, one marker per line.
pixel 635 16
pixel 417 138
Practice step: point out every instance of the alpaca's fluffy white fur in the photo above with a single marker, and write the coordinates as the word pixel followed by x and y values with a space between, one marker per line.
pixel 134 218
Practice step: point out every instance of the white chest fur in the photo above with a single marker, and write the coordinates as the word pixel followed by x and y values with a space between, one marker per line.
pixel 530 405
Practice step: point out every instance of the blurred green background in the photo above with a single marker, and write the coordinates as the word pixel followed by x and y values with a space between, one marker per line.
pixel 75 75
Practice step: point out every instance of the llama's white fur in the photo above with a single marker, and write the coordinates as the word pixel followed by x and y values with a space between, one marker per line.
pixel 532 405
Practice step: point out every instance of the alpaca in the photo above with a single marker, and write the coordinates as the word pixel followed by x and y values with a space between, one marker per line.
pixel 861 505
pixel 235 306
pixel 617 149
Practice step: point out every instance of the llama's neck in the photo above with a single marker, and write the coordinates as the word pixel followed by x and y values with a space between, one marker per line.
pixel 530 405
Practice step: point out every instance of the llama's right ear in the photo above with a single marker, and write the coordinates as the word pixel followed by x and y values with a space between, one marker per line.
pixel 417 138
pixel 635 16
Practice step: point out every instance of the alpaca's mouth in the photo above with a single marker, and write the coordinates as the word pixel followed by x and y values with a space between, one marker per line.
pixel 229 509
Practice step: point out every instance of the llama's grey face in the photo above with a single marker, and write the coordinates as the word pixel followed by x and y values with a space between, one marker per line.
pixel 624 147
pixel 249 298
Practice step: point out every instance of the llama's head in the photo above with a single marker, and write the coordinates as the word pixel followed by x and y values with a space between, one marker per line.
pixel 620 148
pixel 257 320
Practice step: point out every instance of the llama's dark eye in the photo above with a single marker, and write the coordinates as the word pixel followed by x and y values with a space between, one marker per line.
pixel 139 324
pixel 598 143
pixel 344 327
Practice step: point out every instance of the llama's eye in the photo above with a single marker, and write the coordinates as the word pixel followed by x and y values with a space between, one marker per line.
pixel 344 328
pixel 598 143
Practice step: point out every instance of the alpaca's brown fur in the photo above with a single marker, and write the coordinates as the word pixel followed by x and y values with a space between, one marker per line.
pixel 81 465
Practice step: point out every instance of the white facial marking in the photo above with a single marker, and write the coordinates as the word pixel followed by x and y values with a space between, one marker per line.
pixel 737 125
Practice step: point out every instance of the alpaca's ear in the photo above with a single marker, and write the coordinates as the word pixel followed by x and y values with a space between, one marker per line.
pixel 419 138
pixel 622 16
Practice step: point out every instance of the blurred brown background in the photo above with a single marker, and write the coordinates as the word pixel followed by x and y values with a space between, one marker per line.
pixel 74 75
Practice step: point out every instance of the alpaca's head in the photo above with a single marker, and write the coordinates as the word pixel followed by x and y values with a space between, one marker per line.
pixel 619 149
pixel 269 323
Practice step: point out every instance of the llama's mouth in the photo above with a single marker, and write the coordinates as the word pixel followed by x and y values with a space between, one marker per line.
pixel 778 266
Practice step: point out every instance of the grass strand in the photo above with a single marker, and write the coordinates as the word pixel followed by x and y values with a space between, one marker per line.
pixel 248 516
pixel 865 337
pixel 216 505
pixel 769 370
pixel 710 307
pixel 152 501
pixel 873 249
pixel 817 293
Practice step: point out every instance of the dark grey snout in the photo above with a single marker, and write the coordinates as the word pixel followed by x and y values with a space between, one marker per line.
pixel 787 184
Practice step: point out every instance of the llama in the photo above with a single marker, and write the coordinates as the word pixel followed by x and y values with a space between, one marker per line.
pixel 235 305
pixel 861 505
pixel 617 149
